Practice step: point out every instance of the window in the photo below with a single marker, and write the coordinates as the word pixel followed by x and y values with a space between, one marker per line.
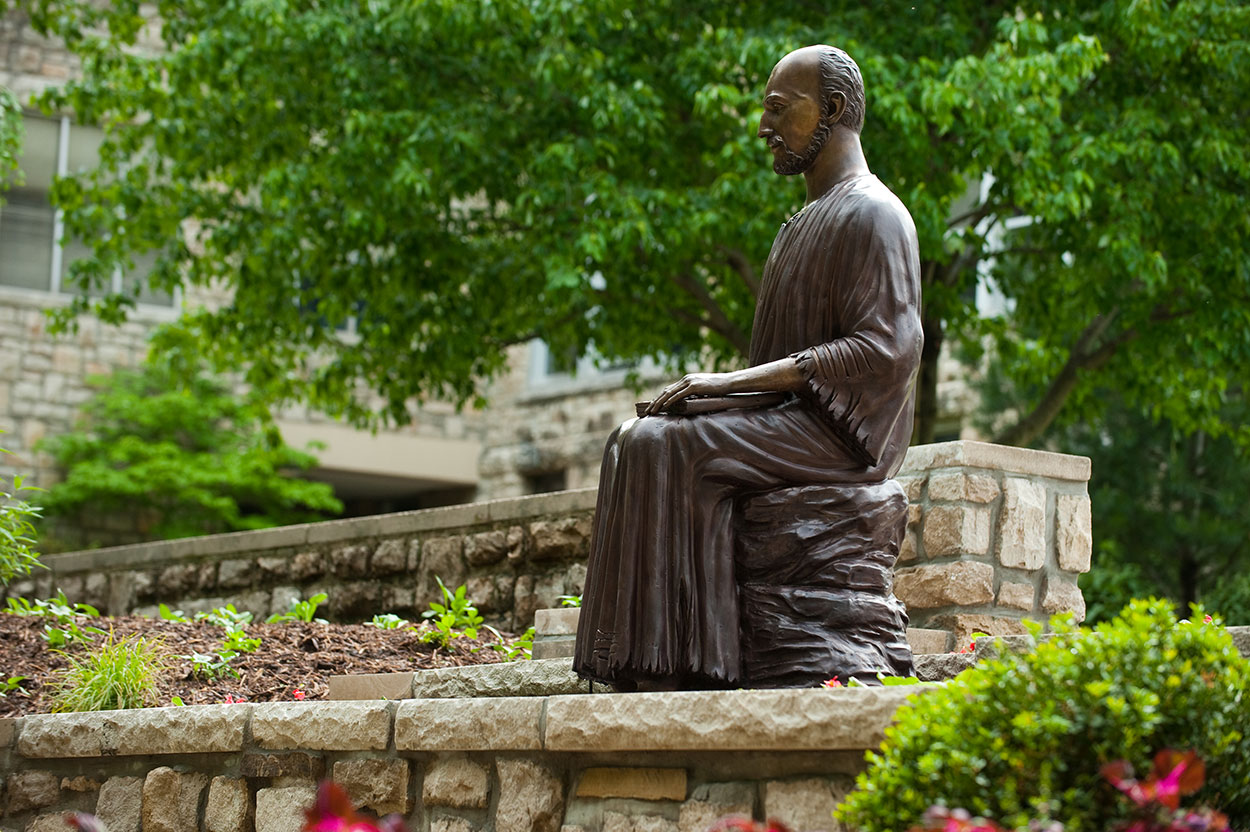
pixel 34 252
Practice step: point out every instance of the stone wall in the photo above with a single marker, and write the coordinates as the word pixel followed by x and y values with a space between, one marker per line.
pixel 577 763
pixel 997 534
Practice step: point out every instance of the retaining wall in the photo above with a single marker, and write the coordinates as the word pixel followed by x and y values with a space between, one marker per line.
pixel 995 534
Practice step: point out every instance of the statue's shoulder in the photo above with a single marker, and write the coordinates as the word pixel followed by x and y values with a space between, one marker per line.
pixel 874 207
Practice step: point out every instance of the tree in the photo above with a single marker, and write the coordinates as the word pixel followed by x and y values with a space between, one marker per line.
pixel 1169 512
pixel 174 447
pixel 458 177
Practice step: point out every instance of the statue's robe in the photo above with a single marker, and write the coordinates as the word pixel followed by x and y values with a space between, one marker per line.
pixel 840 293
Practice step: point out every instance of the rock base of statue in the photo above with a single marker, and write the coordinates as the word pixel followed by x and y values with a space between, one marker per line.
pixel 815 568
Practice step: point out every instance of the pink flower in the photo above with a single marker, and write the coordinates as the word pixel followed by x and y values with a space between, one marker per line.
pixel 831 683
pixel 232 700
pixel 297 695
pixel 1206 619
pixel 83 823
pixel 333 812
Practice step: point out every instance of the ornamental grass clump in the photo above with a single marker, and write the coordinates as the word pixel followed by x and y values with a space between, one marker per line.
pixel 117 675
pixel 1026 736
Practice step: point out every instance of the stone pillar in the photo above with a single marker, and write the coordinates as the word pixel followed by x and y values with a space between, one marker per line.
pixel 995 535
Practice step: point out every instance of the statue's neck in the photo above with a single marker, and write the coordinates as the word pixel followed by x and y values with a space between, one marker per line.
pixel 841 158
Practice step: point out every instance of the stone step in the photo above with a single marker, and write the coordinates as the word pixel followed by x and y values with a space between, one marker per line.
pixel 555 631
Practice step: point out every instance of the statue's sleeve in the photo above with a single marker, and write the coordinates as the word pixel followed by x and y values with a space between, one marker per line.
pixel 862 380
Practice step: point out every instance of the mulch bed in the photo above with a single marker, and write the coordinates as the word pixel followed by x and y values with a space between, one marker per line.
pixel 293 656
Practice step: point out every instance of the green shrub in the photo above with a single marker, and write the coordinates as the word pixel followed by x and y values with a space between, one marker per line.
pixel 17 532
pixel 176 448
pixel 1023 736
pixel 118 675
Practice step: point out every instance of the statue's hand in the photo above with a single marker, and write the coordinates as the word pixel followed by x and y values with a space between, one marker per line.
pixel 694 384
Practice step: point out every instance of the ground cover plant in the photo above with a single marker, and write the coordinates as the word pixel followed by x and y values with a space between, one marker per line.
pixel 1026 737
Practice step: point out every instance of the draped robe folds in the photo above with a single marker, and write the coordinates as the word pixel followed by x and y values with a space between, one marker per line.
pixel 841 294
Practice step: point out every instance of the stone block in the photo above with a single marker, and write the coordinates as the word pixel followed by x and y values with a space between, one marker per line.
pixel 940 667
pixel 1074 533
pixel 8 730
pixel 908 552
pixel 396 598
pixel 924 641
pixel 441 557
pixel 350 561
pixel 390 557
pixel 50 823
pixel 561 539
pixel 1063 595
pixel 963 625
pixel 913 487
pixel 559 621
pixel 804 804
pixel 376 784
pixel 486 548
pixel 956 530
pixel 711 802
pixel 960 584
pixel 322 726
pixel 966 453
pixel 1022 525
pixel 617 822
pixel 282 809
pixel 637 783
pixel 61 736
pixel 532 678
pixel 274 568
pixel 456 782
pixel 229 806
pixel 553 647
pixel 236 573
pixel 354 600
pixel 848 719
pixel 28 790
pixel 215 728
pixel 533 593
pixel 171 800
pixel 489 593
pixel 961 486
pixel 1016 596
pixel 79 784
pixel 371 686
pixel 445 823
pixel 499 724
pixel 297 765
pixel 531 797
pixel 306 566
pixel 120 805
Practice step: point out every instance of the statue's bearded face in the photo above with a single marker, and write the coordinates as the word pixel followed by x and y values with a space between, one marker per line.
pixel 795 123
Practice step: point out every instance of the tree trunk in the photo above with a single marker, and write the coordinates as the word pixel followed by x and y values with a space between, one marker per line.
pixel 1188 568
pixel 926 385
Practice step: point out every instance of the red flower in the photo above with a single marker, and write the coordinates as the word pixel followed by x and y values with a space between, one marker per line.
pixel 831 683
pixel 1206 619
pixel 84 823
pixel 740 824
pixel 297 695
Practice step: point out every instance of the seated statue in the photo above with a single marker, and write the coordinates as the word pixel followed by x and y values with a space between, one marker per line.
pixel 749 540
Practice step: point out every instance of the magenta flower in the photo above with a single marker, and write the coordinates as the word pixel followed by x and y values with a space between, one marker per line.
pixel 333 812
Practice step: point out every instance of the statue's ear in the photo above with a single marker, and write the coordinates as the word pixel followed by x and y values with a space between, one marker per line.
pixel 837 107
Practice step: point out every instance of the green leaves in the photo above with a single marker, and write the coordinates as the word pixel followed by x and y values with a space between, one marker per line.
pixel 173 445
pixel 1025 735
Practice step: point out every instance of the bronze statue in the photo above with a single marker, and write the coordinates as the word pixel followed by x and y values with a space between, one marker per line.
pixel 749 540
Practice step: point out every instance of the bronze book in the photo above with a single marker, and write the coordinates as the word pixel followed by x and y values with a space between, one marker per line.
pixel 712 404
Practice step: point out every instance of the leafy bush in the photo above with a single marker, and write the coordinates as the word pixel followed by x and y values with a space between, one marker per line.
pixel 457 616
pixel 17 532
pixel 119 674
pixel 1024 736
pixel 174 446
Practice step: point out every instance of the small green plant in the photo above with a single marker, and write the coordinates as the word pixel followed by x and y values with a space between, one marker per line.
pixel 237 641
pixel 457 607
pixel 118 674
pixel 226 616
pixel 212 666
pixel 301 610
pixel 519 650
pixel 388 621
pixel 570 600
pixel 166 614
pixel 1027 735
pixel 17 532
pixel 13 683
pixel 65 631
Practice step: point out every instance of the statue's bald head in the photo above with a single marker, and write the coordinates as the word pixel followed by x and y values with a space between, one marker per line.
pixel 835 72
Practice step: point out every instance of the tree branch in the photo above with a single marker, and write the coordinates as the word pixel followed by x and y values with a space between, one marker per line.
pixel 742 266
pixel 1083 356
pixel 716 319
